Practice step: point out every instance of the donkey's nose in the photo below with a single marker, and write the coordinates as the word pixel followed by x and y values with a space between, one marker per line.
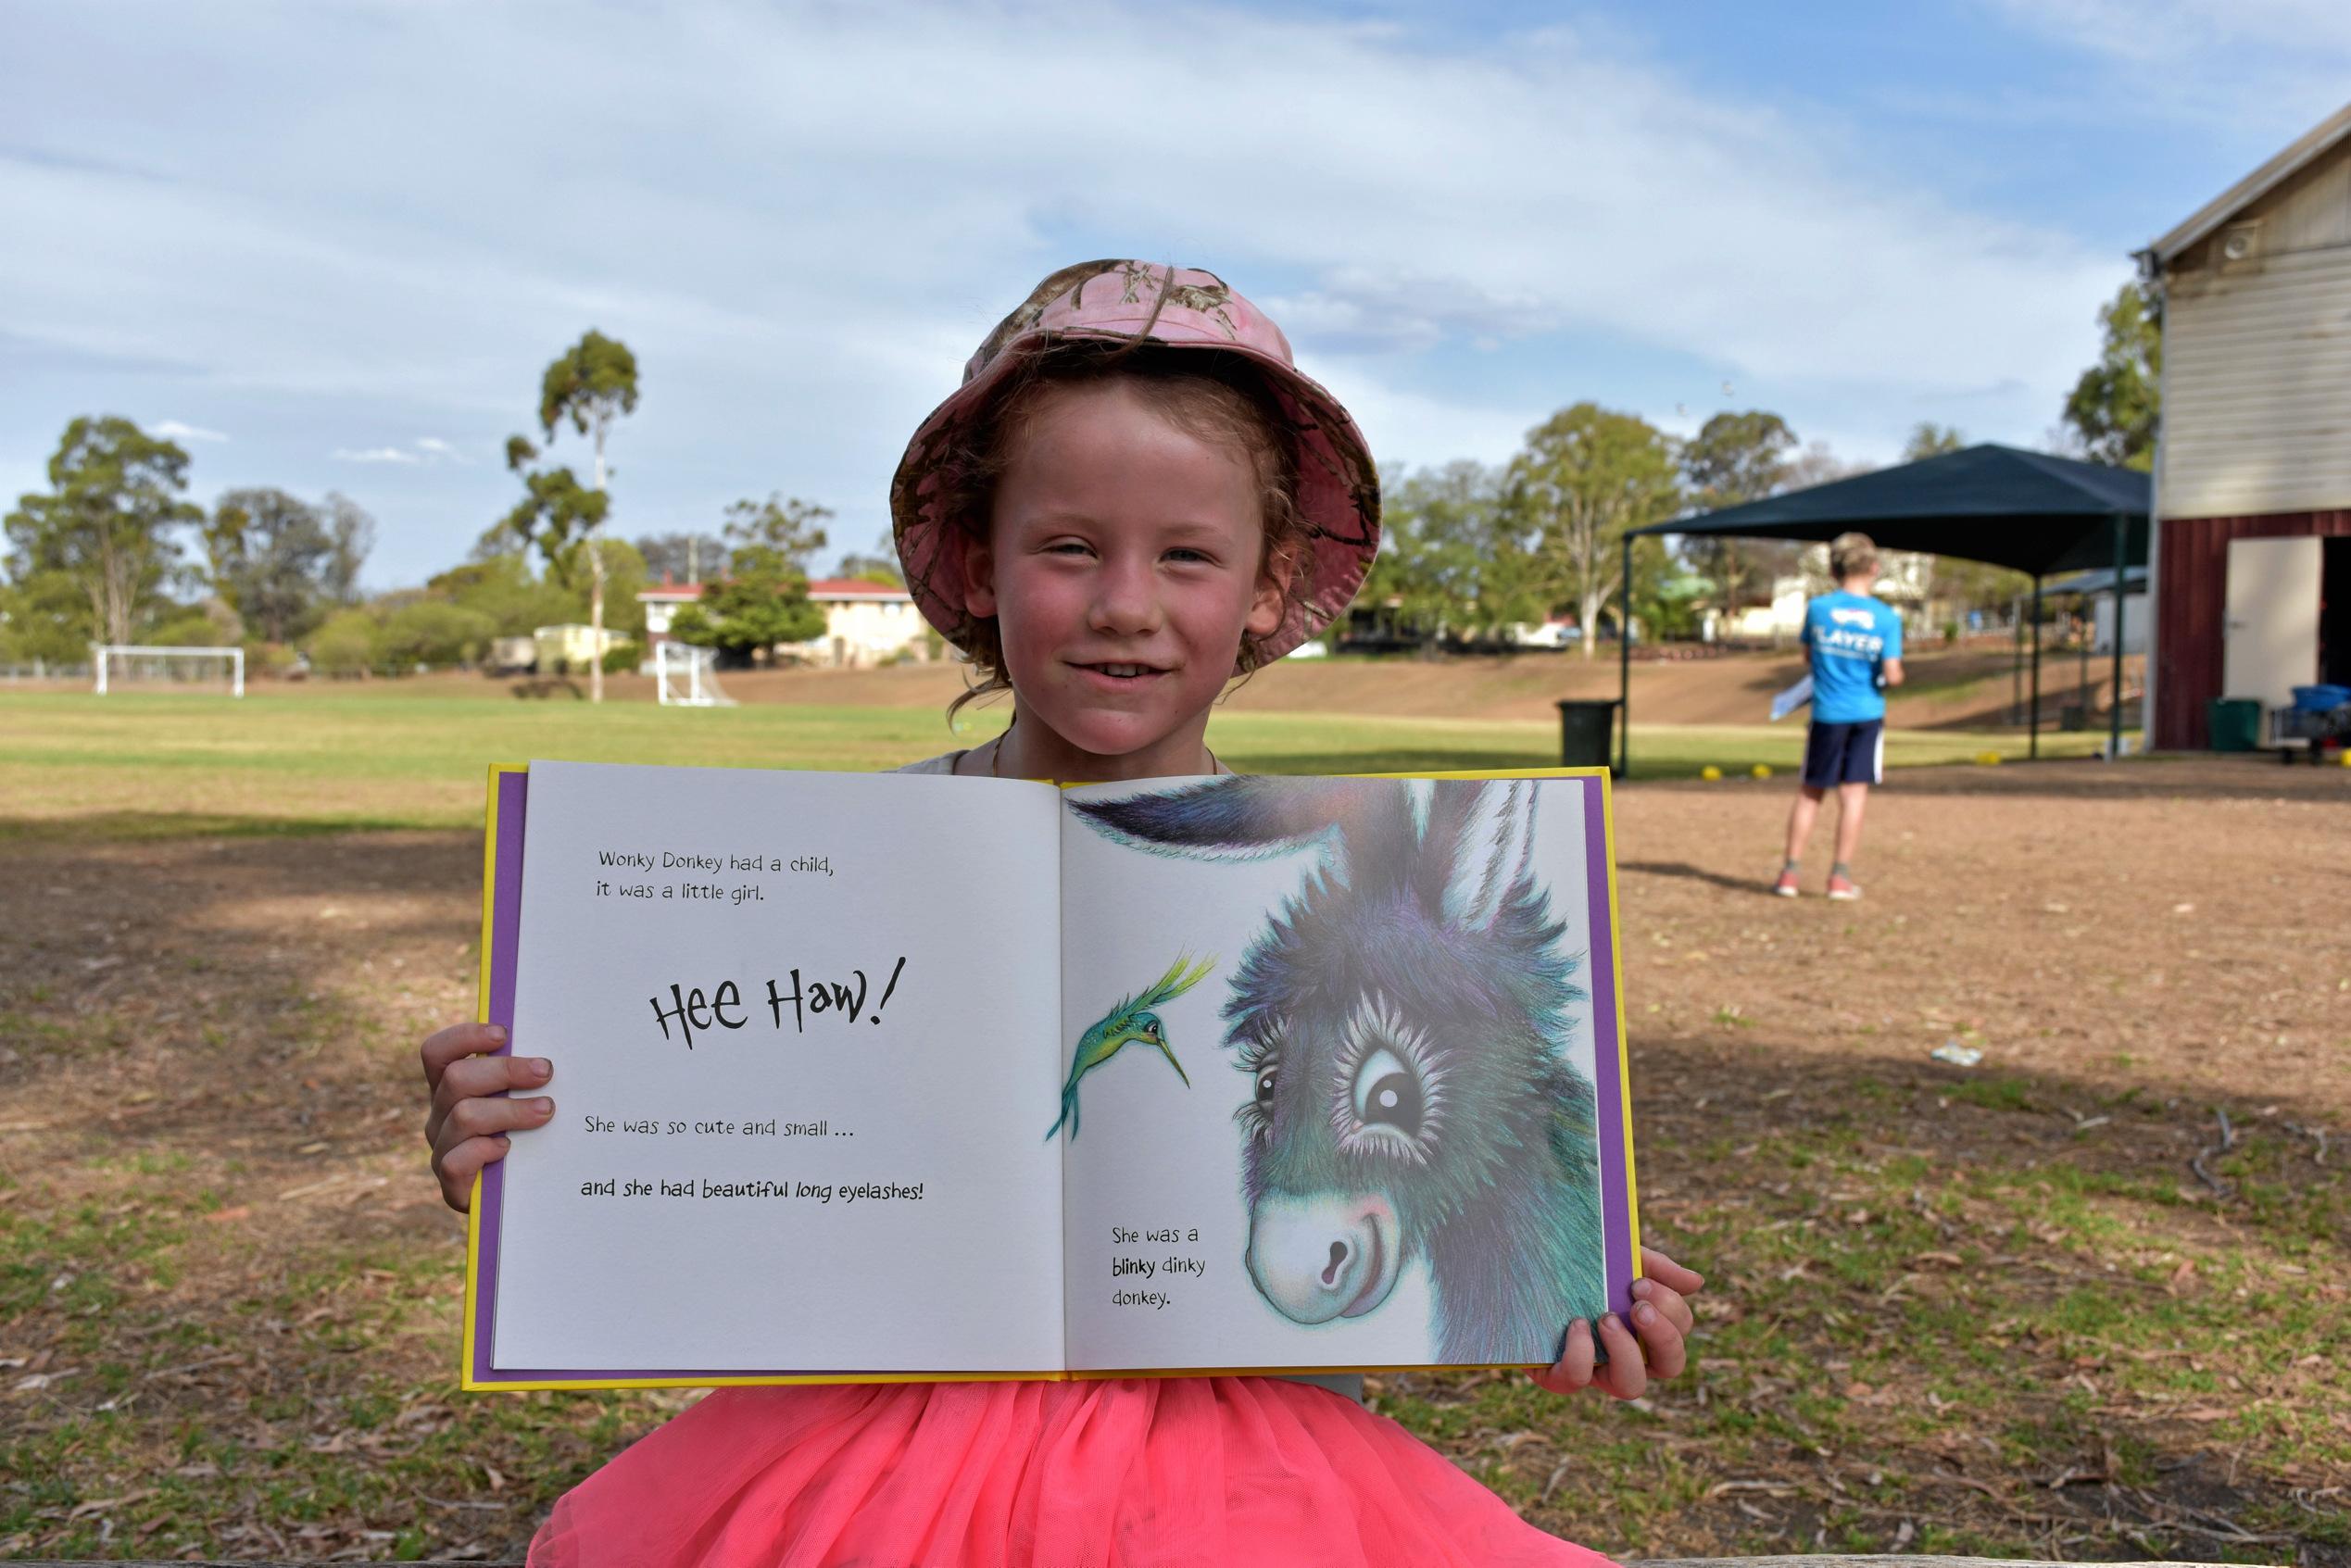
pixel 1315 1259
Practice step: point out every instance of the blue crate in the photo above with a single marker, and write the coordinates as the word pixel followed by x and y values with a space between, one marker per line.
pixel 2320 698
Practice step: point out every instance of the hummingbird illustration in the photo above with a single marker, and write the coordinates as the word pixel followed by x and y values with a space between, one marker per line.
pixel 1131 1020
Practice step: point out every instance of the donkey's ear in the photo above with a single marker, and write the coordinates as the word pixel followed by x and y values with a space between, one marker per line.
pixel 1479 842
pixel 1243 818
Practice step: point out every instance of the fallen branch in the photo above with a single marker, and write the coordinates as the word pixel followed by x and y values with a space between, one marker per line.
pixel 2227 1141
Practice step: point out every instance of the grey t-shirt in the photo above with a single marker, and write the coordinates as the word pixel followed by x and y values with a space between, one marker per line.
pixel 1349 1383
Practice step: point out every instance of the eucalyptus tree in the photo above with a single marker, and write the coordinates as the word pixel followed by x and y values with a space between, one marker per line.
pixel 2118 404
pixel 590 385
pixel 558 514
pixel 105 523
pixel 1734 458
pixel 1586 477
pixel 789 526
pixel 283 562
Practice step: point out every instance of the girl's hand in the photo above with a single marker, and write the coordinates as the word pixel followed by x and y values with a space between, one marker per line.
pixel 467 1125
pixel 1661 1320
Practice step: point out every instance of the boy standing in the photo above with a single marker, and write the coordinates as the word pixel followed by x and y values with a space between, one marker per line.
pixel 1854 644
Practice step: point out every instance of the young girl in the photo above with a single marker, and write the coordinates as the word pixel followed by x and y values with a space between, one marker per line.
pixel 1133 498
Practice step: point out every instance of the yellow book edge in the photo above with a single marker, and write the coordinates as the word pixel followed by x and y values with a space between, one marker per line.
pixel 469 1382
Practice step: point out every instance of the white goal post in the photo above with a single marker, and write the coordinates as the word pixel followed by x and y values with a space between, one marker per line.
pixel 104 655
pixel 686 676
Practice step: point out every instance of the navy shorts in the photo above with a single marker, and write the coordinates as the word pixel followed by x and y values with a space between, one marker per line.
pixel 1844 754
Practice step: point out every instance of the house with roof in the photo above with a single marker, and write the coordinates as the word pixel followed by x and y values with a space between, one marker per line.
pixel 2252 558
pixel 866 623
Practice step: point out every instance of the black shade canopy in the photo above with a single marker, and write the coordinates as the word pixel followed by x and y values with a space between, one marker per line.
pixel 2011 508
pixel 2023 509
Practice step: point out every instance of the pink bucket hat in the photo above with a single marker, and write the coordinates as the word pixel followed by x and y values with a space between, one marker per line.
pixel 1180 308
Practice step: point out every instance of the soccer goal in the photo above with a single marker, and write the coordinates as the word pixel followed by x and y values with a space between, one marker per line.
pixel 127 664
pixel 686 676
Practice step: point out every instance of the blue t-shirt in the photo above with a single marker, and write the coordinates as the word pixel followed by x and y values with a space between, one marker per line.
pixel 1848 636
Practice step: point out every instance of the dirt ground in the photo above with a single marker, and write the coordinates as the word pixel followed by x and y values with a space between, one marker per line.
pixel 2045 1304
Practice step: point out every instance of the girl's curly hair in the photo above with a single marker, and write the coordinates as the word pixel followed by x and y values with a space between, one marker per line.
pixel 1212 398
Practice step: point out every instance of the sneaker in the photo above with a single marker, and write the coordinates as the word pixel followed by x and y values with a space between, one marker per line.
pixel 1786 886
pixel 1842 888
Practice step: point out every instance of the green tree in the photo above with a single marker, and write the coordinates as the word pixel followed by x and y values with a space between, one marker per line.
pixel 1733 460
pixel 1976 584
pixel 183 626
pixel 624 577
pixel 275 557
pixel 353 532
pixel 434 632
pixel 1451 558
pixel 503 590
pixel 560 516
pixel 1930 440
pixel 787 527
pixel 1665 595
pixel 591 384
pixel 45 615
pixel 114 497
pixel 347 644
pixel 2118 404
pixel 1587 476
pixel 762 601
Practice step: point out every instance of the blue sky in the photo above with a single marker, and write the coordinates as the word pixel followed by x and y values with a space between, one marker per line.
pixel 333 246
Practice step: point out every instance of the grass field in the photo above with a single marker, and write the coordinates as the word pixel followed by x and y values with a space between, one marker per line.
pixel 2053 1305
pixel 173 764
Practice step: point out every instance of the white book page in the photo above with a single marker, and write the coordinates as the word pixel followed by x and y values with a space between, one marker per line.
pixel 853 1181
pixel 1159 1272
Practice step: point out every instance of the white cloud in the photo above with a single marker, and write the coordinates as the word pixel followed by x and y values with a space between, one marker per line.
pixel 425 450
pixel 172 430
pixel 803 220
pixel 2222 61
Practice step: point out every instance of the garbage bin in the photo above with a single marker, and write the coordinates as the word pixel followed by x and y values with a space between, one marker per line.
pixel 1587 730
pixel 2235 724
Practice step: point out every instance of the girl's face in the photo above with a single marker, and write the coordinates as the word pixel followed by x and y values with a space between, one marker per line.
pixel 1123 568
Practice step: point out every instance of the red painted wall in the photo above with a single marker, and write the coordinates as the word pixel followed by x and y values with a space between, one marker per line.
pixel 2192 600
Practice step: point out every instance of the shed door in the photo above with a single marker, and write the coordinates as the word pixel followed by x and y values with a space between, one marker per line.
pixel 2271 643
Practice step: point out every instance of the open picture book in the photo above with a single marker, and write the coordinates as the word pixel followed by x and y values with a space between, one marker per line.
pixel 866 1077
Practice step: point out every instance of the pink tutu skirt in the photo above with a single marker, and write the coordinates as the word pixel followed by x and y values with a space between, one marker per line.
pixel 1239 1471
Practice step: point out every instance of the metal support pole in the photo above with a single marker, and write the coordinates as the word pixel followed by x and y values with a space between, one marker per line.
pixel 2016 647
pixel 2114 718
pixel 1624 662
pixel 2089 616
pixel 2032 717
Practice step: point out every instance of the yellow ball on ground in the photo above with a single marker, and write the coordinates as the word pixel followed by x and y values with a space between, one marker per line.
pixel 1989 759
pixel 2343 757
pixel 1710 772
pixel 1761 770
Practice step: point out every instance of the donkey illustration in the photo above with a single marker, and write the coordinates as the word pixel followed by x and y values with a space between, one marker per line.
pixel 1402 1017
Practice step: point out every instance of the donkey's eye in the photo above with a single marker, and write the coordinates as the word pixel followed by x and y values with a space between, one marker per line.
pixel 1388 1093
pixel 1266 1089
